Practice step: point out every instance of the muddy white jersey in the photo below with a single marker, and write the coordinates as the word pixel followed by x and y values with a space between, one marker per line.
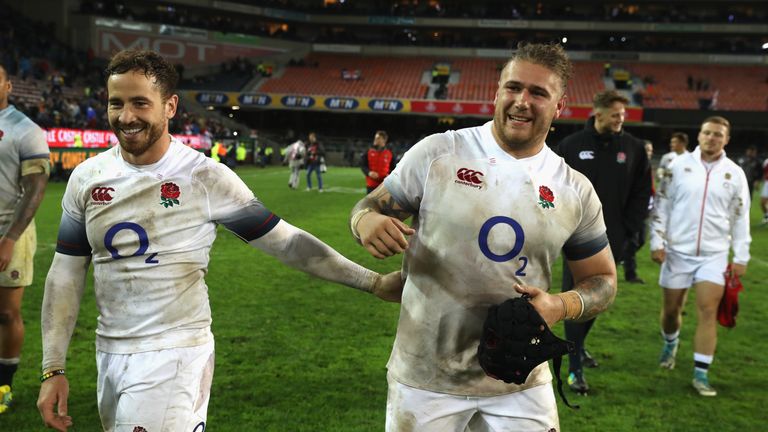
pixel 149 230
pixel 20 139
pixel 484 221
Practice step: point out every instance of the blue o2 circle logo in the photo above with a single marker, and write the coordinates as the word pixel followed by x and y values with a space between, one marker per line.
pixel 112 232
pixel 485 230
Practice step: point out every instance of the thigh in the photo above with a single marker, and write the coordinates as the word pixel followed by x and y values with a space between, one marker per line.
pixel 413 410
pixel 19 272
pixel 677 271
pixel 165 390
pixel 533 409
pixel 711 269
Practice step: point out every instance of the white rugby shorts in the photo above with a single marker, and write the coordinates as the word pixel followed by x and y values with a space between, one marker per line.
pixel 412 409
pixel 20 269
pixel 166 390
pixel 681 271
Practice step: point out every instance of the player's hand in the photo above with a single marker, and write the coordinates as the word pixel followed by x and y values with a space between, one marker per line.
pixel 6 252
pixel 547 305
pixel 373 174
pixel 52 403
pixel 658 256
pixel 739 269
pixel 383 236
pixel 389 287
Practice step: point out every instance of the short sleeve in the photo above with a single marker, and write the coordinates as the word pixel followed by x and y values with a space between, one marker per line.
pixel 234 205
pixel 33 143
pixel 72 238
pixel 407 182
pixel 590 236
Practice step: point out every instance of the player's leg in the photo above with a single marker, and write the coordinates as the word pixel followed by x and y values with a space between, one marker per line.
pixel 574 332
pixel 709 284
pixel 675 278
pixel 309 176
pixel 17 275
pixel 161 390
pixel 411 409
pixel 534 409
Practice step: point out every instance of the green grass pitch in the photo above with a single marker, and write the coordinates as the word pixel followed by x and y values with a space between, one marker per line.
pixel 294 353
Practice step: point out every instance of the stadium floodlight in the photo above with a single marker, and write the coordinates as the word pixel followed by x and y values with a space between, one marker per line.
pixel 765 46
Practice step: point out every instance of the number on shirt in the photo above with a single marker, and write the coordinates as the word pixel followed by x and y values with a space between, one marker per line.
pixel 482 241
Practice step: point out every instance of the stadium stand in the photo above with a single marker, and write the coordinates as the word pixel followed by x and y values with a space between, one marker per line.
pixel 399 77
pixel 730 88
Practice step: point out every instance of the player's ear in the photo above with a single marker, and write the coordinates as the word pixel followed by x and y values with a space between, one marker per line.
pixel 170 106
pixel 560 105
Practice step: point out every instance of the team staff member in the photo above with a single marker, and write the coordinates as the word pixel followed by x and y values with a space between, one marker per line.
pixel 145 213
pixel 24 169
pixel 618 167
pixel 492 207
pixel 701 212
pixel 378 161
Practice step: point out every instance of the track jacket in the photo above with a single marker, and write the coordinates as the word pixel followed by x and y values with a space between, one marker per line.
pixel 702 210
pixel 619 170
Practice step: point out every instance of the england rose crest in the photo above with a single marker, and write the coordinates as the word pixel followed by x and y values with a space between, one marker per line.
pixel 546 197
pixel 169 194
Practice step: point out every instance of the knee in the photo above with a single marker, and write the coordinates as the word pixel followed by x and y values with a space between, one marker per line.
pixel 707 312
pixel 9 316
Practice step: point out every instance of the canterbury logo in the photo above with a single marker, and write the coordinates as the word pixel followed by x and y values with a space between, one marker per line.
pixel 470 176
pixel 586 154
pixel 102 194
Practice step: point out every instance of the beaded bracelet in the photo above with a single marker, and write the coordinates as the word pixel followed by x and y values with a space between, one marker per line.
pixel 51 374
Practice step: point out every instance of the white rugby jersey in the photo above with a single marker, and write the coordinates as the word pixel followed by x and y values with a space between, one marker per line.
pixel 484 221
pixel 20 139
pixel 703 210
pixel 149 230
pixel 664 163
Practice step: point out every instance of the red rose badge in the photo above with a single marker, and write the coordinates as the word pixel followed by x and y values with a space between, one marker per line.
pixel 169 194
pixel 546 197
pixel 1 135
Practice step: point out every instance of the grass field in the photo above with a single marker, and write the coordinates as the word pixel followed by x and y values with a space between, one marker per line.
pixel 298 354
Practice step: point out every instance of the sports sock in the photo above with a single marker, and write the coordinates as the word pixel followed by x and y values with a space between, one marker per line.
pixel 670 337
pixel 7 369
pixel 701 363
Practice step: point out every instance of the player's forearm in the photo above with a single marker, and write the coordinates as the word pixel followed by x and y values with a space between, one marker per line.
pixel 34 190
pixel 303 251
pixel 597 292
pixel 380 201
pixel 61 303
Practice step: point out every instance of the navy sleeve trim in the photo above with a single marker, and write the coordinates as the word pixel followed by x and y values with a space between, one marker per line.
pixel 37 156
pixel 575 252
pixel 73 239
pixel 251 222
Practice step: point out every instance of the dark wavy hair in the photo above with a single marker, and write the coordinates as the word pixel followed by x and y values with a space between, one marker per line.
pixel 150 63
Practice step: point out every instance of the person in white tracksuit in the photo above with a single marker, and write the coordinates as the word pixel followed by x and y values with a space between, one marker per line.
pixel 294 155
pixel 701 211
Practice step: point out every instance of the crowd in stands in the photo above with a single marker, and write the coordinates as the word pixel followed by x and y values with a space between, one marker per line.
pixel 57 86
pixel 231 22
pixel 658 11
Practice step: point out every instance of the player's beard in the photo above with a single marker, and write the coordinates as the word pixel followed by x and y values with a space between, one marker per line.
pixel 519 138
pixel 138 144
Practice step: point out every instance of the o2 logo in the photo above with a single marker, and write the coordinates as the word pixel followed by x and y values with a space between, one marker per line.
pixel 109 237
pixel 482 240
